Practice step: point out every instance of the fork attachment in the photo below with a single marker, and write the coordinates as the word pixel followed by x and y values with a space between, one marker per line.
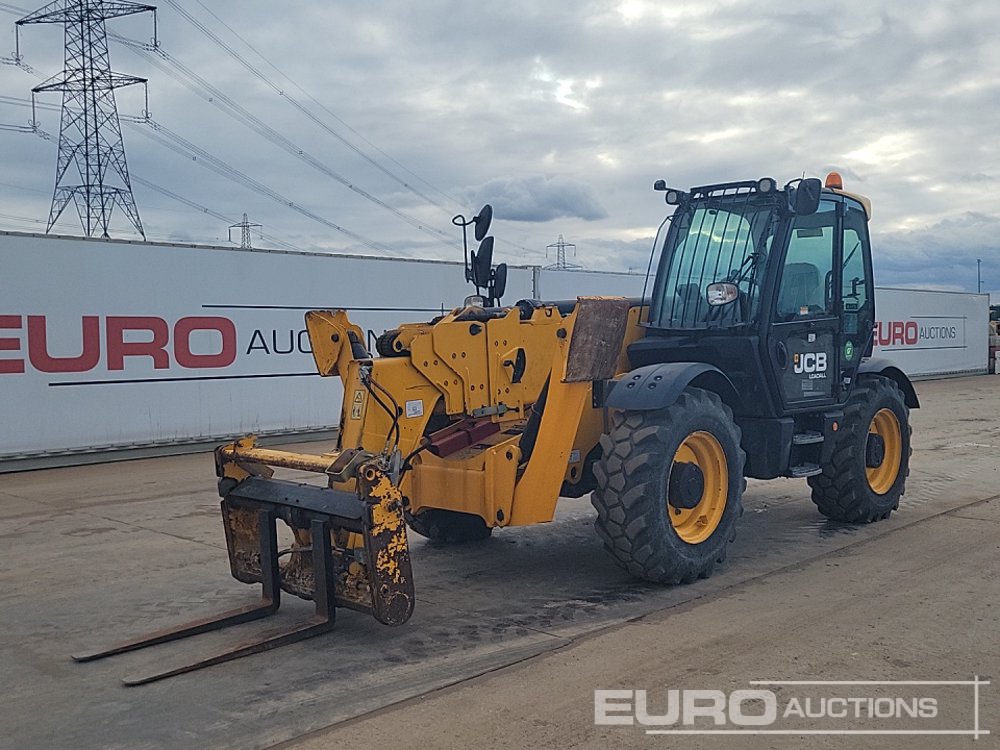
pixel 350 550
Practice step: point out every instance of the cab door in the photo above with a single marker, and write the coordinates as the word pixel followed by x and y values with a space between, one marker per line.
pixel 857 293
pixel 803 339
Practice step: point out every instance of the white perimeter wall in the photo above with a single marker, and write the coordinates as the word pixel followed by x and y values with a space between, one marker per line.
pixel 933 334
pixel 259 297
pixel 229 353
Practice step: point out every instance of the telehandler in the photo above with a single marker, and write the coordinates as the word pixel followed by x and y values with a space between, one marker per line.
pixel 749 357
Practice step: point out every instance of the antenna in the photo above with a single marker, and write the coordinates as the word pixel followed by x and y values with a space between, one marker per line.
pixel 90 135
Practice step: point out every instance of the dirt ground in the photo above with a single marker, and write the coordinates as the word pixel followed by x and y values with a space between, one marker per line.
pixel 874 611
pixel 511 638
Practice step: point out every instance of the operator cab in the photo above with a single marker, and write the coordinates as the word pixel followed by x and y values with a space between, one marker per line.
pixel 772 286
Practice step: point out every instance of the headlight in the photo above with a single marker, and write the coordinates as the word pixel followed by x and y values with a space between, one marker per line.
pixel 721 294
pixel 766 185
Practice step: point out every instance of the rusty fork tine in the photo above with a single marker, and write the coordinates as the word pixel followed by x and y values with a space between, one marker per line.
pixel 232 617
pixel 321 622
pixel 270 601
pixel 314 627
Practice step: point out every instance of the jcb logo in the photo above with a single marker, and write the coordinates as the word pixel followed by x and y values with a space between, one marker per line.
pixel 810 362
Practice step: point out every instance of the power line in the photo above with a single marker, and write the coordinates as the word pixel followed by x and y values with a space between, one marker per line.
pixel 312 116
pixel 33 222
pixel 167 138
pixel 305 110
pixel 270 239
pixel 219 99
pixel 24 188
pixel 13 9
pixel 190 152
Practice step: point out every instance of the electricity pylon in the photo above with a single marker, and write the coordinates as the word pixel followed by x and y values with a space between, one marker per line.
pixel 90 135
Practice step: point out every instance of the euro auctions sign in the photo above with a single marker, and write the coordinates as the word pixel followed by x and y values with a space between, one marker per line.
pixel 938 333
pixel 107 344
pixel 804 707
pixel 929 333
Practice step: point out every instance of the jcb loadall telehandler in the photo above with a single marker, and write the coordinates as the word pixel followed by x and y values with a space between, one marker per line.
pixel 750 358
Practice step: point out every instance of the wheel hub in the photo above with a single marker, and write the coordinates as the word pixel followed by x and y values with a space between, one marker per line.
pixel 687 485
pixel 874 451
pixel 883 451
pixel 697 487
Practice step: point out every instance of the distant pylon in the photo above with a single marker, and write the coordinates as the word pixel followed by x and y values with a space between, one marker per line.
pixel 559 247
pixel 246 241
pixel 90 135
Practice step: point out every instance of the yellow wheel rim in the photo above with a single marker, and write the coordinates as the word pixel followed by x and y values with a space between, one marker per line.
pixel 695 525
pixel 886 426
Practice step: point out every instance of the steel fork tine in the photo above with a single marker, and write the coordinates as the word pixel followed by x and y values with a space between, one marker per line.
pixel 321 622
pixel 270 601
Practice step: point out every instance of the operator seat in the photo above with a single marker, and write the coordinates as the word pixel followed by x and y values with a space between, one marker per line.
pixel 800 288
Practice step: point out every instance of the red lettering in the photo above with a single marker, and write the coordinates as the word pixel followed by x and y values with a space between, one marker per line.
pixel 118 348
pixel 897 333
pixel 182 342
pixel 38 350
pixel 10 366
pixel 898 336
pixel 881 333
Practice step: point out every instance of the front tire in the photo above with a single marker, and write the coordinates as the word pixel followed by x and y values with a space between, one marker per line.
pixel 866 474
pixel 669 487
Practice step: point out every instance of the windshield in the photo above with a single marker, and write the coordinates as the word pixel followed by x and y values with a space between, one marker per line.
pixel 716 239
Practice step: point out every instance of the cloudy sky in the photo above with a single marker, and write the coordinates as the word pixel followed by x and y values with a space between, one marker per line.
pixel 386 118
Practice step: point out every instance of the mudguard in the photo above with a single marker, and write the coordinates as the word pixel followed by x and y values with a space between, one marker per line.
pixel 885 368
pixel 658 386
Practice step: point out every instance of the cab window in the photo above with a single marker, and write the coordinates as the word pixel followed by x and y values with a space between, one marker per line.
pixel 806 288
pixel 855 291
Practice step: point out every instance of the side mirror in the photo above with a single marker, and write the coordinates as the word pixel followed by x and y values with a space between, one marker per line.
pixel 805 196
pixel 482 222
pixel 499 282
pixel 482 263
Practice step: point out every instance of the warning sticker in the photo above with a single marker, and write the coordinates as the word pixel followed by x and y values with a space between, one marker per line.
pixel 414 409
pixel 358 405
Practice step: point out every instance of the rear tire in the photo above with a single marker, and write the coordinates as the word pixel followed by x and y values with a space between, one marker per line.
pixel 448 526
pixel 644 533
pixel 849 489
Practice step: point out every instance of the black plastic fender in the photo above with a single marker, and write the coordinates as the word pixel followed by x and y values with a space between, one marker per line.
pixel 885 367
pixel 658 386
